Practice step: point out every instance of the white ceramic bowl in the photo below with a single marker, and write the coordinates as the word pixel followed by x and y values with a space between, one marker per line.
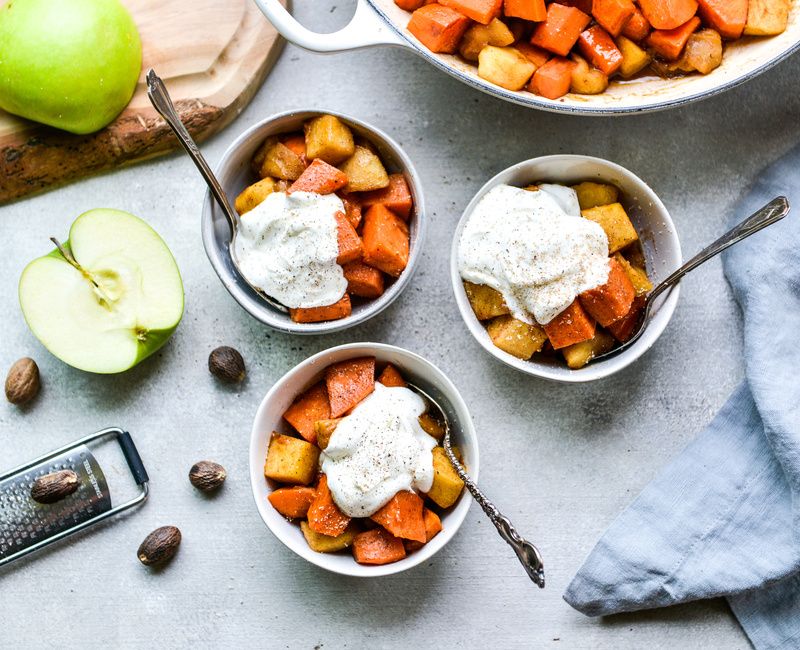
pixel 234 174
pixel 382 22
pixel 269 418
pixel 657 234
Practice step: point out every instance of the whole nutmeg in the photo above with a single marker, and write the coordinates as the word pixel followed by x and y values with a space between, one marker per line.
pixel 159 546
pixel 22 381
pixel 227 364
pixel 207 475
pixel 54 486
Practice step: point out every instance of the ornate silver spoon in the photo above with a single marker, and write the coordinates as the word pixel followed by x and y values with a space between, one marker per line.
pixel 526 552
pixel 162 102
pixel 774 211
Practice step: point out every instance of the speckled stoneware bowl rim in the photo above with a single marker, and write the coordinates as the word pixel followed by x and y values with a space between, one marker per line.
pixel 214 225
pixel 660 263
pixel 304 374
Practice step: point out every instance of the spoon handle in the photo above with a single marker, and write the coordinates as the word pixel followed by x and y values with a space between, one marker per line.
pixel 774 211
pixel 526 552
pixel 162 102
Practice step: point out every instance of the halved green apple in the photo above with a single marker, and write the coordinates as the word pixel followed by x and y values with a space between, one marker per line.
pixel 109 298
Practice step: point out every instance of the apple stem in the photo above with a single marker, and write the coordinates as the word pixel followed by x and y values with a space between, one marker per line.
pixel 73 262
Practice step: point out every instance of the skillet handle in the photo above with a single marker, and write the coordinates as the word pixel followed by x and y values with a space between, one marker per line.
pixel 365 29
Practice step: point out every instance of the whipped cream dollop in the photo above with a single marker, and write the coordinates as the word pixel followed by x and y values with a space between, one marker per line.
pixel 377 451
pixel 529 248
pixel 287 246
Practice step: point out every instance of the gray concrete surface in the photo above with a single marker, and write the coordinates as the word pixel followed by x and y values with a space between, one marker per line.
pixel 561 460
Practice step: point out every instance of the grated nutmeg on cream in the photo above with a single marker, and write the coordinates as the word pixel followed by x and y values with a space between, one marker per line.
pixel 526 245
pixel 287 246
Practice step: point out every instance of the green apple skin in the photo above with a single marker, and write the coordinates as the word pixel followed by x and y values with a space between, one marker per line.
pixel 71 64
pixel 139 305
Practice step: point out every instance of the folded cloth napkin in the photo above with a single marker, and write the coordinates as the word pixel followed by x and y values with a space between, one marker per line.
pixel 722 518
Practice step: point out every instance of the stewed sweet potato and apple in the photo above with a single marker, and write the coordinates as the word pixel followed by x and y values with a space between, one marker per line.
pixel 600 317
pixel 397 523
pixel 373 229
pixel 552 48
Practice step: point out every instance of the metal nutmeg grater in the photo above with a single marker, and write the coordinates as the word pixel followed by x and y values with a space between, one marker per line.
pixel 27 526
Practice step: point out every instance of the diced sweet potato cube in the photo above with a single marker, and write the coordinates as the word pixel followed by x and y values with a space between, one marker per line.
pixel 391 377
pixel 481 11
pixel 579 354
pixel 485 301
pixel 612 15
pixel 637 275
pixel 433 526
pixel 365 171
pixel 396 196
pixel 385 239
pixel 291 460
pixel 533 10
pixel 325 543
pixel 324 516
pixel 669 44
pixel 438 28
pixel 350 247
pixel 516 337
pixel 338 310
pixel 254 194
pixel 668 14
pixel 728 17
pixel 328 138
pixel 402 516
pixel 637 28
pixel 553 79
pixel 430 425
pixel 311 406
pixel 612 300
pixel 600 49
pixel 362 280
pixel 319 177
pixel 572 325
pixel 352 208
pixel 624 328
pixel 378 546
pixel 410 5
pixel 535 55
pixel 447 485
pixel 767 17
pixel 616 224
pixel 292 502
pixel 349 382
pixel 561 29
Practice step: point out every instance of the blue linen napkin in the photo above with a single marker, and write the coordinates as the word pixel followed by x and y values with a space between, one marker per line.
pixel 722 518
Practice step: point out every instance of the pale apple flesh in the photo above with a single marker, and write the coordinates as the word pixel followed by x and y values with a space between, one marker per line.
pixel 120 308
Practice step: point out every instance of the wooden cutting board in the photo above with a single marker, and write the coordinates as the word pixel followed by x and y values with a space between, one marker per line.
pixel 212 54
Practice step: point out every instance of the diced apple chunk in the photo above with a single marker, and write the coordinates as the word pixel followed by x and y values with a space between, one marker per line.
pixel 365 171
pixel 516 337
pixel 505 66
pixel 291 460
pixel 616 224
pixel 485 301
pixel 579 354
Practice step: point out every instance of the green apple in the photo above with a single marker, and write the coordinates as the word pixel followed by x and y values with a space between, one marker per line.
pixel 72 64
pixel 107 298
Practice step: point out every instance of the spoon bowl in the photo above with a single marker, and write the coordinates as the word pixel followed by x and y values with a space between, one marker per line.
pixel 771 213
pixel 528 555
pixel 162 102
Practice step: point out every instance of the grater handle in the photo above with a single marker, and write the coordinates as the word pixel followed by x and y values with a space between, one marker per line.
pixel 133 458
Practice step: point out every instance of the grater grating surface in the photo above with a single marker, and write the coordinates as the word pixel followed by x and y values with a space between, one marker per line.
pixel 24 522
pixel 26 526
